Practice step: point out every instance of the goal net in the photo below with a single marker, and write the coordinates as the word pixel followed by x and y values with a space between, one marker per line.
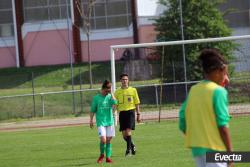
pixel 163 72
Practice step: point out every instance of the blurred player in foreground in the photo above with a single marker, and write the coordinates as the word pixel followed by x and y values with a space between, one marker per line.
pixel 102 107
pixel 204 117
pixel 225 81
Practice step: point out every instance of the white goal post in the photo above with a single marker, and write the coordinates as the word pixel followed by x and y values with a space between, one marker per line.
pixel 181 42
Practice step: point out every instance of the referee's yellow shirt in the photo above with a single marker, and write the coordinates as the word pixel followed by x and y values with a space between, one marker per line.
pixel 127 99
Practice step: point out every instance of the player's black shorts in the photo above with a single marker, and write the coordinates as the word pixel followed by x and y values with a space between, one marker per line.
pixel 127 120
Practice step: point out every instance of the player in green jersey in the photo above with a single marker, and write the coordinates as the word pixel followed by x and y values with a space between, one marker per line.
pixel 102 108
pixel 204 117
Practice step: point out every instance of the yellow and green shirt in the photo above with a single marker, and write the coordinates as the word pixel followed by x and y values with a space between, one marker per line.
pixel 205 109
pixel 127 99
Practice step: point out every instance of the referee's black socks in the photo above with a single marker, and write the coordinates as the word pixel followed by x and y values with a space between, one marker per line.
pixel 129 143
pixel 126 139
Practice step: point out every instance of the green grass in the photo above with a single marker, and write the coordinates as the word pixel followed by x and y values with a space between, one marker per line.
pixel 16 81
pixel 244 74
pixel 158 145
pixel 55 76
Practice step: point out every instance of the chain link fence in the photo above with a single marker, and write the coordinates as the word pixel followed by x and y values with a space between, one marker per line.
pixel 60 104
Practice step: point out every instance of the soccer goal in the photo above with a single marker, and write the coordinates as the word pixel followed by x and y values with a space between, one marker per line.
pixel 163 72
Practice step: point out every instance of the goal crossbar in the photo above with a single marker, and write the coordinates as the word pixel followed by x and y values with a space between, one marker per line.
pixel 181 42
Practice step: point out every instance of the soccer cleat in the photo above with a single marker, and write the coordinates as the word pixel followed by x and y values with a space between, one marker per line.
pixel 108 160
pixel 128 153
pixel 100 159
pixel 133 150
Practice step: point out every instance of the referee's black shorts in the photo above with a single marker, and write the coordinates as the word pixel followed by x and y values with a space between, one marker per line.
pixel 127 120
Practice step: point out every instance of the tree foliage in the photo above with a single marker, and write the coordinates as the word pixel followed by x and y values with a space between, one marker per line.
pixel 201 19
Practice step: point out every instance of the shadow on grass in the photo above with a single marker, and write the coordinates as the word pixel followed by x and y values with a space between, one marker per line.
pixel 100 72
pixel 80 164
pixel 57 75
pixel 22 77
pixel 77 159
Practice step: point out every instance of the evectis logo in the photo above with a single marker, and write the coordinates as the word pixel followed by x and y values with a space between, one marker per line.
pixel 227 158
pixel 236 157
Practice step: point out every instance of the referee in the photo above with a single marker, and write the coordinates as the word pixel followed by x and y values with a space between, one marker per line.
pixel 128 104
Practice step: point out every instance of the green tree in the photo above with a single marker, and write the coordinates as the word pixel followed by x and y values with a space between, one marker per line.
pixel 201 19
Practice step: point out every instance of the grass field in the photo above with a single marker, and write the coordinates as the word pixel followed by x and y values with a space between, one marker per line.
pixel 158 145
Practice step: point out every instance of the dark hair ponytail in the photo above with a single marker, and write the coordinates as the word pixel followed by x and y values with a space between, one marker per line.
pixel 105 84
pixel 212 59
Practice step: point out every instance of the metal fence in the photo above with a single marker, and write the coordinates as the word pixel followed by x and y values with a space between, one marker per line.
pixel 154 106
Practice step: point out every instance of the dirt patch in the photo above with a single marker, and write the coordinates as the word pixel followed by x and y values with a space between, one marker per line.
pixel 235 110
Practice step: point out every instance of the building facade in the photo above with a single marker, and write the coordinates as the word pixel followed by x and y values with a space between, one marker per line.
pixel 50 32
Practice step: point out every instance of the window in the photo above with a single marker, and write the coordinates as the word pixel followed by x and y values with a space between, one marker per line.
pixel 116 8
pixel 6 19
pixel 109 14
pixel 44 10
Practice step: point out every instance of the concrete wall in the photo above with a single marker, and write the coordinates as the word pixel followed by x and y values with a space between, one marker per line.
pixel 100 49
pixel 242 55
pixel 7 57
pixel 46 48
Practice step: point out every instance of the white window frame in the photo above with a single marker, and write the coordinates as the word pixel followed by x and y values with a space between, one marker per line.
pixel 10 23
pixel 47 7
pixel 106 16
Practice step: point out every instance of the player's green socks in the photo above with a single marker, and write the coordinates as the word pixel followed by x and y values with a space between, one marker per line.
pixel 102 147
pixel 108 150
